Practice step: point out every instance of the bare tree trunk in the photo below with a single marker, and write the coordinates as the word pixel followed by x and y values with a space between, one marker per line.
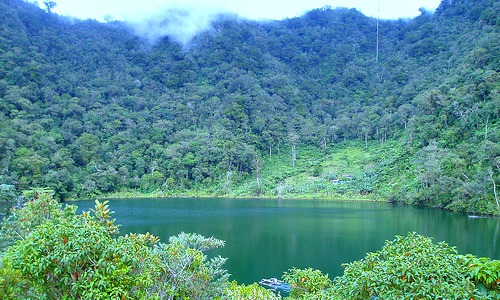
pixel 486 128
pixel 258 173
pixel 153 167
pixel 378 35
pixel 494 189
pixel 280 190
pixel 227 184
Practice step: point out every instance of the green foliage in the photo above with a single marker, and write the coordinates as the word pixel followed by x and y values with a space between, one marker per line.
pixel 11 284
pixel 78 258
pixel 8 197
pixel 486 275
pixel 40 208
pixel 307 283
pixel 317 170
pixel 410 267
pixel 54 253
pixel 185 272
pixel 249 292
pixel 89 109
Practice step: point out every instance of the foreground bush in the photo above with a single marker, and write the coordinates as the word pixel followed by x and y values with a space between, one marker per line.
pixel 249 292
pixel 184 270
pixel 39 208
pixel 413 267
pixel 57 254
pixel 79 258
pixel 307 283
pixel 410 267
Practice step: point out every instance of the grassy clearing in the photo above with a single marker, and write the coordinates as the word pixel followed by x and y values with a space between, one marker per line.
pixel 338 174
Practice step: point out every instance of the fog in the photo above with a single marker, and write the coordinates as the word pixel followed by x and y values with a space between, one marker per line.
pixel 181 20
pixel 179 24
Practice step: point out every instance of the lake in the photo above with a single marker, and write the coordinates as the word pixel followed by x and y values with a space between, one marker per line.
pixel 265 237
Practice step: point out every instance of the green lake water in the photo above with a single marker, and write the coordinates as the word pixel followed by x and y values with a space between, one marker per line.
pixel 265 237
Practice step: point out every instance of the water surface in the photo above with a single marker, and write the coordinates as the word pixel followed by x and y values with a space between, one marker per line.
pixel 265 237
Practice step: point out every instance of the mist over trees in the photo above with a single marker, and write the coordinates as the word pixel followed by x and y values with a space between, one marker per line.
pixel 89 108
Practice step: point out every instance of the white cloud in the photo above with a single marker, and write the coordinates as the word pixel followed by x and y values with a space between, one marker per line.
pixel 183 19
pixel 179 24
pixel 256 9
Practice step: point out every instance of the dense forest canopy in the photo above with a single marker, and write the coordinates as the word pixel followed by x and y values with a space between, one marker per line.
pixel 90 108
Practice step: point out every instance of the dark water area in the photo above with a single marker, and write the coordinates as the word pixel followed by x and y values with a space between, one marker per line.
pixel 265 237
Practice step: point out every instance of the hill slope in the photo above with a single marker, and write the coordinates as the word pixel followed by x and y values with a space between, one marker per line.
pixel 88 108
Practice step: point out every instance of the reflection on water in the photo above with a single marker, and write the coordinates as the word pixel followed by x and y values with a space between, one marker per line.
pixel 264 238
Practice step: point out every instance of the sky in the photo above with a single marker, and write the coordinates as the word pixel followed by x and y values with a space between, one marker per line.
pixel 186 18
pixel 254 9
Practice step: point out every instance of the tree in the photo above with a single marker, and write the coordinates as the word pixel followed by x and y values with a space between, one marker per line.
pixel 75 257
pixel 410 267
pixel 39 206
pixel 494 189
pixel 307 283
pixel 86 148
pixel 8 197
pixel 52 252
pixel 258 174
pixel 293 138
pixel 249 292
pixel 49 5
pixel 185 272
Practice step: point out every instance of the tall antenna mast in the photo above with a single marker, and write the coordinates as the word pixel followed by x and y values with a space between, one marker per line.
pixel 378 31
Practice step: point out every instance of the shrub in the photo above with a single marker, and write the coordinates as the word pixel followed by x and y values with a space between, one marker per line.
pixel 486 275
pixel 8 197
pixel 307 283
pixel 41 207
pixel 186 272
pixel 249 292
pixel 56 254
pixel 410 267
pixel 78 258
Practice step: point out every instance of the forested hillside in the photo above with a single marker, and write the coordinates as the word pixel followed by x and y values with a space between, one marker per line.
pixel 89 108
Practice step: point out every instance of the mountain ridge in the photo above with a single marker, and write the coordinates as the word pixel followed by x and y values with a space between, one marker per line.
pixel 90 108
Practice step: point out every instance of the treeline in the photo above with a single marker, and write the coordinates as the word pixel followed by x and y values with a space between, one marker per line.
pixel 88 108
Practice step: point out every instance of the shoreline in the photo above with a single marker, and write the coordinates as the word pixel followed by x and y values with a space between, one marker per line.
pixel 332 198
pixel 354 198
